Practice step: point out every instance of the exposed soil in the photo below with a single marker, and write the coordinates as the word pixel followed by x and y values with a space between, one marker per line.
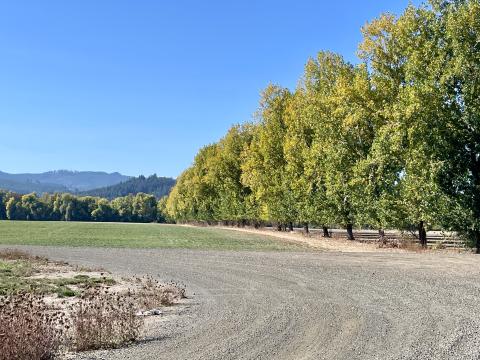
pixel 61 286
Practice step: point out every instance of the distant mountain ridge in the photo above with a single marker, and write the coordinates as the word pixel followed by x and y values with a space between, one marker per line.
pixel 155 185
pixel 29 187
pixel 59 181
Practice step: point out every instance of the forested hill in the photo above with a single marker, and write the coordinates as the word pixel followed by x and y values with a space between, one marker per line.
pixel 31 186
pixel 158 186
pixel 59 181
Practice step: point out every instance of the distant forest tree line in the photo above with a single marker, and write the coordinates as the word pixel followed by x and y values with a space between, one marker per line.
pixel 393 142
pixel 155 185
pixel 86 183
pixel 67 207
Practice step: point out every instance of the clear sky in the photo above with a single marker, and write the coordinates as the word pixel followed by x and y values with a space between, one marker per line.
pixel 139 86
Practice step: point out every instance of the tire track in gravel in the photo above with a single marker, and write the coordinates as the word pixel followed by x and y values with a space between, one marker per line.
pixel 286 305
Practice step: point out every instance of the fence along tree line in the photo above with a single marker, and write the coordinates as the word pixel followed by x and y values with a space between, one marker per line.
pixel 393 142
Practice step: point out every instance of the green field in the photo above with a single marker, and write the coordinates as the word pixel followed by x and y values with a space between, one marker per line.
pixel 135 236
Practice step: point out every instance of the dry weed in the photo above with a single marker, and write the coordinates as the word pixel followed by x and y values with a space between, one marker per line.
pixel 14 254
pixel 152 294
pixel 104 320
pixel 29 329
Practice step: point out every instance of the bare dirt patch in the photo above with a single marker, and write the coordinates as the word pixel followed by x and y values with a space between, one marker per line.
pixel 75 308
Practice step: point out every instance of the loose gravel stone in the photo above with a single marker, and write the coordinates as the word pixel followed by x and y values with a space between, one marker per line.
pixel 276 305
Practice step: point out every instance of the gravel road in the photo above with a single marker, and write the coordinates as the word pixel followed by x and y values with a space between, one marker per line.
pixel 313 305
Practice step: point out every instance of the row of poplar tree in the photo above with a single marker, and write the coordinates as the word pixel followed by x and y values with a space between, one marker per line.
pixel 67 207
pixel 391 142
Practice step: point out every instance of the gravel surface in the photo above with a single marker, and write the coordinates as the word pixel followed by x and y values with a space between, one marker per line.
pixel 253 305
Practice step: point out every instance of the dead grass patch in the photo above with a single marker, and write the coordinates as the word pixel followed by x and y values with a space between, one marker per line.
pixel 29 329
pixel 102 320
pixel 152 294
pixel 46 307
pixel 14 254
pixel 404 243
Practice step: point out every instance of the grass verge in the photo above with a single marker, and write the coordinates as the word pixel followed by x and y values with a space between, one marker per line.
pixel 20 273
pixel 137 236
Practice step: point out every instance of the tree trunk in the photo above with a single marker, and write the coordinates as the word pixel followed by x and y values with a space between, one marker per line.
pixel 350 232
pixel 290 226
pixel 475 168
pixel 381 236
pixel 279 227
pixel 422 234
pixel 477 240
pixel 325 232
pixel 305 228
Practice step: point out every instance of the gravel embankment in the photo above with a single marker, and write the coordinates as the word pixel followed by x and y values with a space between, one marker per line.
pixel 252 305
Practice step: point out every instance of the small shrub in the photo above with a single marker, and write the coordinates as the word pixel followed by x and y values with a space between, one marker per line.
pixel 29 329
pixel 65 291
pixel 14 254
pixel 103 320
pixel 152 294
pixel 404 243
pixel 439 246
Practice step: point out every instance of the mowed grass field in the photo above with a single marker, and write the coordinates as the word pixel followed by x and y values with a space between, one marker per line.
pixel 136 236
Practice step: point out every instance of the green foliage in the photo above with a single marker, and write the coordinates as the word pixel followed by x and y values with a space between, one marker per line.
pixel 14 209
pixel 264 166
pixel 4 196
pixel 144 207
pixel 391 142
pixel 158 186
pixel 103 211
pixel 67 207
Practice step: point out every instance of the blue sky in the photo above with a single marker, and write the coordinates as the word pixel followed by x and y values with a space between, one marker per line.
pixel 139 86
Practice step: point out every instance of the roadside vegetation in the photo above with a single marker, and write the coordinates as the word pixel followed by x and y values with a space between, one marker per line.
pixel 390 143
pixel 49 308
pixel 20 273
